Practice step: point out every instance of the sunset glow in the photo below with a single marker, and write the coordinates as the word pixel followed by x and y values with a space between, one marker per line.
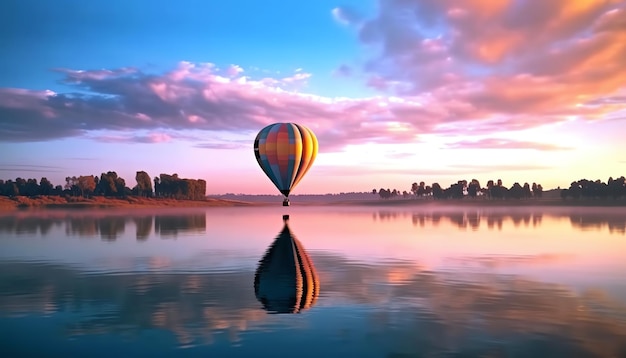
pixel 395 91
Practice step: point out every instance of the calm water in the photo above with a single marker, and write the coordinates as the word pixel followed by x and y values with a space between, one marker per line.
pixel 331 282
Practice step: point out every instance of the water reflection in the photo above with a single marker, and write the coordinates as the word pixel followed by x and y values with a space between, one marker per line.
pixel 108 226
pixel 192 306
pixel 286 280
pixel 475 314
pixel 473 219
pixel 403 295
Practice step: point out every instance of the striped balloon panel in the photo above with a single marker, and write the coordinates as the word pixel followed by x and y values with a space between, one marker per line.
pixel 285 152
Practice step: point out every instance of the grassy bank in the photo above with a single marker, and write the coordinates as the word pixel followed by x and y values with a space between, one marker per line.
pixel 58 202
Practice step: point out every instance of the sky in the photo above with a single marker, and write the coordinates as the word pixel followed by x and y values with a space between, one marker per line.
pixel 396 91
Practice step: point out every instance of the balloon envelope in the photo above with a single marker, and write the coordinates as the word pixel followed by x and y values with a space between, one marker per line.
pixel 285 152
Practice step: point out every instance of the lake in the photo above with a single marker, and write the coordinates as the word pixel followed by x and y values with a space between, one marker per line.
pixel 329 281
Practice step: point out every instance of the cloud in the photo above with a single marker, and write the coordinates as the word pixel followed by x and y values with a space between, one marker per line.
pixel 140 136
pixel 461 169
pixel 346 170
pixel 11 167
pixel 496 261
pixel 17 169
pixel 346 15
pixel 500 167
pixel 520 62
pixel 148 138
pixel 79 158
pixel 495 143
pixel 343 71
pixel 224 145
pixel 192 97
pixel 432 84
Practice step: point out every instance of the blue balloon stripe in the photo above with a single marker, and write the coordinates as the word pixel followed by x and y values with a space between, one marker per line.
pixel 266 166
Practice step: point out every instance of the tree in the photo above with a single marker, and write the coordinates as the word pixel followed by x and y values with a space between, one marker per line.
pixel 473 188
pixel 384 193
pixel 516 191
pixel 21 186
pixel 45 186
pixel 171 186
pixel 112 185
pixel 526 191
pixel 144 184
pixel 421 189
pixel 11 189
pixel 437 191
pixel 86 185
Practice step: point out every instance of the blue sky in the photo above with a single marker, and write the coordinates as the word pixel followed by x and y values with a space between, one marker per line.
pixel 271 36
pixel 396 91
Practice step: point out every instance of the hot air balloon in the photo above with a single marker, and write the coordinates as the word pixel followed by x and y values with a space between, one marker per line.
pixel 285 152
pixel 286 280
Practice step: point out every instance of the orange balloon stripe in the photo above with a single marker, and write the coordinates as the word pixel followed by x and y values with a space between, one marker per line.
pixel 309 153
pixel 296 149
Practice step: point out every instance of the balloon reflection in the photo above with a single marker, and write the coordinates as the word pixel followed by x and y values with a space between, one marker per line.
pixel 286 280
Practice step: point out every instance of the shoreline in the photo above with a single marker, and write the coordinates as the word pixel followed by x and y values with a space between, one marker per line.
pixel 56 202
pixel 547 202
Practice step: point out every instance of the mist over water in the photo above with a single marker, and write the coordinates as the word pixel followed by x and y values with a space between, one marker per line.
pixel 330 281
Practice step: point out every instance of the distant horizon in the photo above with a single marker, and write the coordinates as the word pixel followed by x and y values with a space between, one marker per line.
pixel 271 190
pixel 395 91
pixel 131 182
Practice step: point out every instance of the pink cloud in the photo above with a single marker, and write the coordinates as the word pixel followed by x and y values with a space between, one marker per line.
pixel 456 170
pixel 544 59
pixel 223 145
pixel 121 138
pixel 234 70
pixel 454 66
pixel 192 97
pixel 495 143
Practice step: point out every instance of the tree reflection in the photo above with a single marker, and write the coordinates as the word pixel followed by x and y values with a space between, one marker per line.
pixel 108 226
pixel 286 280
pixel 597 221
pixel 143 225
pixel 111 227
pixel 172 225
pixel 615 221
pixel 472 219
pixel 28 225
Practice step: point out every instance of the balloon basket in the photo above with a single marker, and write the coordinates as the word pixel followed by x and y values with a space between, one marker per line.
pixel 286 202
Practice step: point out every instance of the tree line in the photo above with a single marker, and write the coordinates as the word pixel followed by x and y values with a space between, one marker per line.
pixel 584 188
pixel 109 184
